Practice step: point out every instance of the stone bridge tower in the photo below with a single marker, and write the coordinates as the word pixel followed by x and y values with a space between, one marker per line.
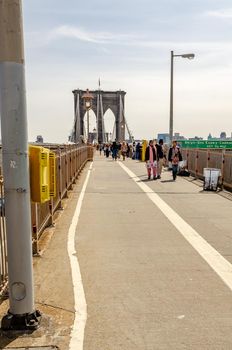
pixel 101 102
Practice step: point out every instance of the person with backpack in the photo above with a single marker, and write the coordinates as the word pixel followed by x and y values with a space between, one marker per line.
pixel 174 156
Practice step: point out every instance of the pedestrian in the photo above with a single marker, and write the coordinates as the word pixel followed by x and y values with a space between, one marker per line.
pixel 128 150
pixel 133 150
pixel 104 149
pixel 114 149
pixel 151 160
pixel 174 156
pixel 160 156
pixel 107 151
pixel 119 150
pixel 124 150
pixel 137 151
pixel 100 148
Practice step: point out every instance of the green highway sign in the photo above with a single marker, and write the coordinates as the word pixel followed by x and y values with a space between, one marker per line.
pixel 216 144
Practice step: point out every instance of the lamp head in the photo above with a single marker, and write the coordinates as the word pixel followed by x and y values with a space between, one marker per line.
pixel 190 56
pixel 87 97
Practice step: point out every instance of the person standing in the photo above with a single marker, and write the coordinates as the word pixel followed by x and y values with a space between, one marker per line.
pixel 160 154
pixel 151 160
pixel 174 156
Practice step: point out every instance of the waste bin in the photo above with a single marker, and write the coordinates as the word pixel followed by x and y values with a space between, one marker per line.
pixel 211 177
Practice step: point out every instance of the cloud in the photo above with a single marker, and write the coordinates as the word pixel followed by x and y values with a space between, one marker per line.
pixel 82 34
pixel 223 13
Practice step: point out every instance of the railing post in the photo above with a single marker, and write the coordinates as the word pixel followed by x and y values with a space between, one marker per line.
pixel 196 164
pixel 35 231
pixel 208 158
pixel 66 171
pixel 223 168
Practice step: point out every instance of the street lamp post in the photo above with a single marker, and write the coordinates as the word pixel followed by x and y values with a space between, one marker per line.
pixel 186 55
pixel 87 97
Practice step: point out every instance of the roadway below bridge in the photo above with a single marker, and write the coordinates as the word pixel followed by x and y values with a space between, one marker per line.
pixel 155 265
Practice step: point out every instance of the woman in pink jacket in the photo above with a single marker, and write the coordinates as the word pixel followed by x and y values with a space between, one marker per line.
pixel 151 160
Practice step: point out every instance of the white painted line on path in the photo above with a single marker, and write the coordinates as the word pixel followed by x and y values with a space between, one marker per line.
pixel 217 262
pixel 80 306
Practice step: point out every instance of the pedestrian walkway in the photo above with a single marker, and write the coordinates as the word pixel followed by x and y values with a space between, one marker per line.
pixel 155 263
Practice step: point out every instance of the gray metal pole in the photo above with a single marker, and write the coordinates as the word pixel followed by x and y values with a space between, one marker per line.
pixel 22 314
pixel 171 101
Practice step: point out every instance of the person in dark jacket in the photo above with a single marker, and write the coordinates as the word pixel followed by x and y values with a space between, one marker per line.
pixel 174 156
pixel 151 160
pixel 137 150
pixel 114 149
pixel 160 154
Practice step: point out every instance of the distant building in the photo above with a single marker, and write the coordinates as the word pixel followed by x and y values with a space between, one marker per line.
pixel 209 136
pixel 223 135
pixel 178 136
pixel 39 139
pixel 164 136
pixel 195 138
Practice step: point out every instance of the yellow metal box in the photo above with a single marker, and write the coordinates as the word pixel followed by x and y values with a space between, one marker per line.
pixel 42 174
pixel 144 146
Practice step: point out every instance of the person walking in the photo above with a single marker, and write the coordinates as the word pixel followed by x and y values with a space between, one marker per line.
pixel 128 150
pixel 100 148
pixel 124 150
pixel 119 150
pixel 160 154
pixel 174 156
pixel 151 160
pixel 133 150
pixel 107 151
pixel 137 150
pixel 114 150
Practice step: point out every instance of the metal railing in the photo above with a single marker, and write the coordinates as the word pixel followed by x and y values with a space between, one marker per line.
pixel 198 159
pixel 70 160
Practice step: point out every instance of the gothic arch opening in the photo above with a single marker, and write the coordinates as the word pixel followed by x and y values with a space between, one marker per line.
pixel 90 124
pixel 109 125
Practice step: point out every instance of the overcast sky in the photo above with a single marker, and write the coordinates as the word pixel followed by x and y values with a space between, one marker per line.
pixel 127 43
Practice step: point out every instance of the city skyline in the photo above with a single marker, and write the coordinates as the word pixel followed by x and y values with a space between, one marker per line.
pixel 127 44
